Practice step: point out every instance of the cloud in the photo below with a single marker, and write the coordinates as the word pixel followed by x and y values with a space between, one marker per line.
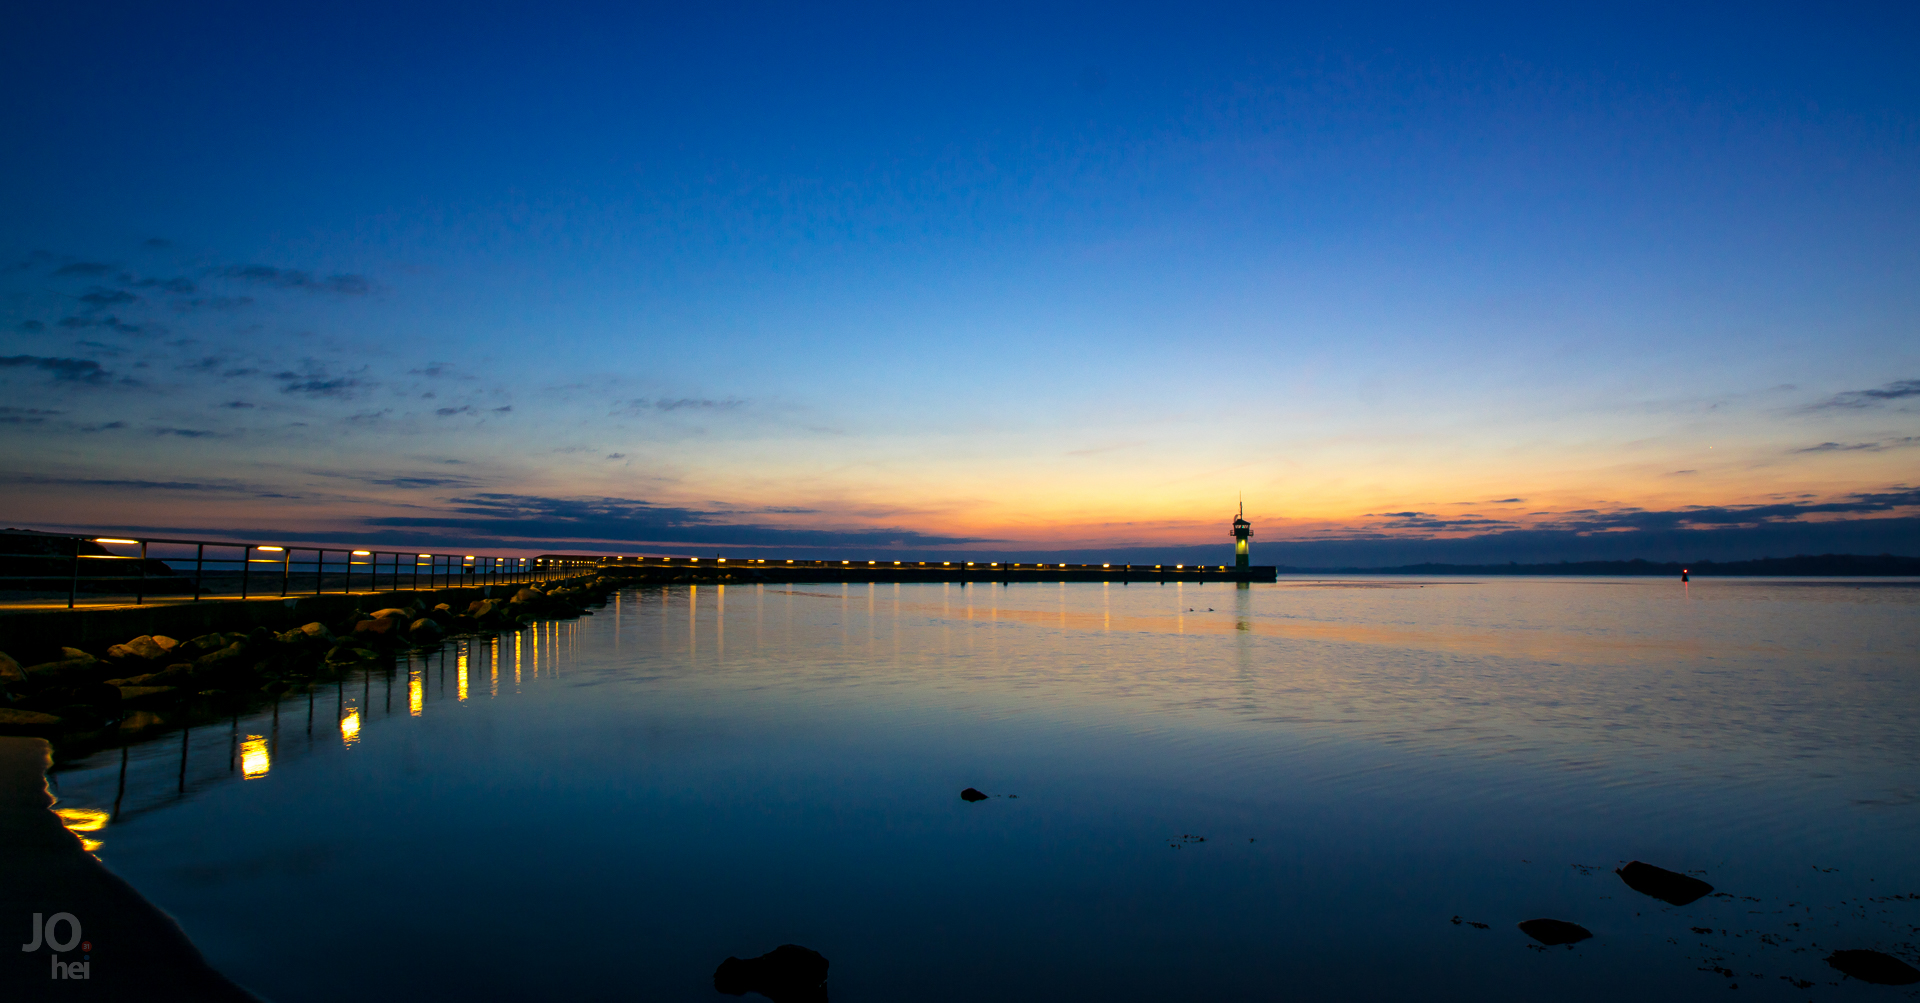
pixel 97 299
pixel 1854 447
pixel 108 427
pixel 288 278
pixel 501 410
pixel 448 412
pixel 237 405
pixel 83 268
pixel 1839 447
pixel 628 520
pixel 421 482
pixel 32 325
pixel 1896 390
pixel 63 370
pixel 110 322
pixel 639 404
pixel 88 482
pixel 186 433
pixel 616 456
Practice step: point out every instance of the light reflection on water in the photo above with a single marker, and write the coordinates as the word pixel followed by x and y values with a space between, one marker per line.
pixel 765 765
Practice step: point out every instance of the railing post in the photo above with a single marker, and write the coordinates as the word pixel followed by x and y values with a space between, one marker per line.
pixel 286 568
pixel 416 571
pixel 246 568
pixel 73 582
pixel 320 568
pixel 199 556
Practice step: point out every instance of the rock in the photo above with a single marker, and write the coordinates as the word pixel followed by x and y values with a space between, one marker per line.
pixel 205 643
pixel 1872 966
pixel 76 654
pixel 10 671
pixel 394 612
pixel 142 647
pixel 425 629
pixel 316 630
pixel 52 670
pixel 1552 932
pixel 141 720
pixel 172 675
pixel 972 795
pixel 787 974
pixel 136 692
pixel 11 718
pixel 378 627
pixel 223 655
pixel 1658 882
pixel 167 644
pixel 444 608
pixel 528 594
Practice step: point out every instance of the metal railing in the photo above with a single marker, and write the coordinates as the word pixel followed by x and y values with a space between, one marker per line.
pixel 225 569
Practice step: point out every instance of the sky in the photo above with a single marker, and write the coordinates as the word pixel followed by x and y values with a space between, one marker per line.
pixel 1495 283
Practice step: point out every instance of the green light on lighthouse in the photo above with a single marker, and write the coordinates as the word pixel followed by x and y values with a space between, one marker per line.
pixel 1242 532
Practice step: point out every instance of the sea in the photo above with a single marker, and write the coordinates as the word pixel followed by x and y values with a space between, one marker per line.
pixel 1320 788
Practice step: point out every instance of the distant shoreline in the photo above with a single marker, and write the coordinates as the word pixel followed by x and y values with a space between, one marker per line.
pixel 1822 565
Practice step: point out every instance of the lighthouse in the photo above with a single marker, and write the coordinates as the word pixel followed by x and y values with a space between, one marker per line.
pixel 1242 532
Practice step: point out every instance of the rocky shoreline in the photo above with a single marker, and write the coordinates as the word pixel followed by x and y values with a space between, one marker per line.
pixel 84 699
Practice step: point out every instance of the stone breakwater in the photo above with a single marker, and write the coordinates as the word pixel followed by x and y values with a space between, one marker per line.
pixel 85 697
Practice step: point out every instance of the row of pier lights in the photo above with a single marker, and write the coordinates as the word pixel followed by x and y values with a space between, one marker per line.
pixel 761 562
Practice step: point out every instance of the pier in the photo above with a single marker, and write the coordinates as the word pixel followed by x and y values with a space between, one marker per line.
pixel 751 569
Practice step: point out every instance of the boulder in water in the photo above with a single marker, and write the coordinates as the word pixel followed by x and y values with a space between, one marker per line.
pixel 1553 932
pixel 972 795
pixel 787 974
pixel 1658 882
pixel 1872 966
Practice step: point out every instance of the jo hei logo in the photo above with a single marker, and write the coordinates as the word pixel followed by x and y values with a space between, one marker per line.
pixel 45 932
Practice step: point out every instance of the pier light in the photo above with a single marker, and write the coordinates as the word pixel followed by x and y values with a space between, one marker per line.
pixel 846 562
pixel 416 555
pixel 969 564
pixel 946 563
pixel 993 564
pixel 1106 565
pixel 363 553
pixel 105 540
pixel 274 549
pixel 789 562
pixel 695 560
pixel 469 557
pixel 873 562
pixel 1063 565
pixel 1179 566
pixel 722 560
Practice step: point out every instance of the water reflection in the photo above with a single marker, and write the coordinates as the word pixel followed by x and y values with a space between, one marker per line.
pixel 80 821
pixel 1351 791
pixel 350 727
pixel 256 759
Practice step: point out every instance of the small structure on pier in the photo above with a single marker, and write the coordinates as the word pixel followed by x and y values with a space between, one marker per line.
pixel 1242 532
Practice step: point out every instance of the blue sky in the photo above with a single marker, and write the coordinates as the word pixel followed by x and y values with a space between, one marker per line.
pixel 1008 279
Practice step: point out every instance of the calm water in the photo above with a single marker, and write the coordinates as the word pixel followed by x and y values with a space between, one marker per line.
pixel 613 805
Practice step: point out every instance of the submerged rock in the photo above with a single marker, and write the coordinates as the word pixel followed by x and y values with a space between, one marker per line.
pixel 972 795
pixel 1553 932
pixel 1872 966
pixel 12 718
pixel 787 974
pixel 10 671
pixel 1667 886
